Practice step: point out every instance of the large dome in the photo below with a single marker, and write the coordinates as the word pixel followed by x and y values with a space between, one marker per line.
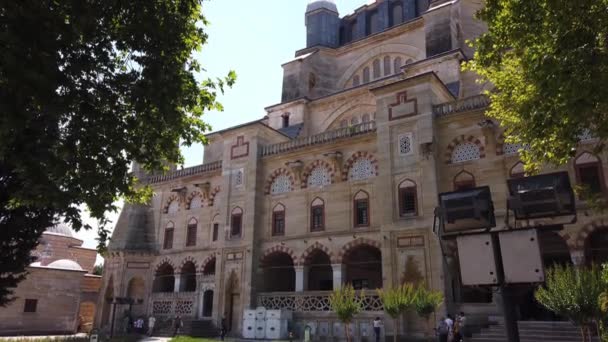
pixel 65 264
pixel 60 229
pixel 314 5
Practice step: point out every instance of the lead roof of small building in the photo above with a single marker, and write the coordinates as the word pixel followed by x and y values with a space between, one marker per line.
pixel 60 229
pixel 314 5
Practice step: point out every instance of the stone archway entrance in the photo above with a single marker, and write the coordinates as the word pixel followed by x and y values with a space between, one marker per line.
pixel 232 302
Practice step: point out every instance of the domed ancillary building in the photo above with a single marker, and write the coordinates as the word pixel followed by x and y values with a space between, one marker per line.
pixel 60 292
pixel 338 184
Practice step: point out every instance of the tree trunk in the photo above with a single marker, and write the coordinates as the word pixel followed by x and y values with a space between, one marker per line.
pixel 346 332
pixel 395 329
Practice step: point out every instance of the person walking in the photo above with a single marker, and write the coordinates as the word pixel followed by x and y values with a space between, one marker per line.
pixel 377 324
pixel 177 325
pixel 459 327
pixel 443 330
pixel 223 328
pixel 151 322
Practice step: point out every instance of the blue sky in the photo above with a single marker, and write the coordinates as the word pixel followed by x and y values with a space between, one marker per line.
pixel 253 38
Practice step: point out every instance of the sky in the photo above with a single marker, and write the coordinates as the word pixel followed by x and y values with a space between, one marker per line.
pixel 253 38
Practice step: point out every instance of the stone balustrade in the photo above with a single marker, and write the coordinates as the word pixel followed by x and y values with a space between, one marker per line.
pixel 173 304
pixel 190 171
pixel 313 301
pixel 462 105
pixel 317 139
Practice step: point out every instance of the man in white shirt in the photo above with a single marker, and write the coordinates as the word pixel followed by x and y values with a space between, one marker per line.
pixel 377 325
pixel 151 322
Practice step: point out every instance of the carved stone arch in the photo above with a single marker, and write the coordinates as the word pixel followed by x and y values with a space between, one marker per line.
pixel 212 195
pixel 279 249
pixel 354 107
pixel 276 173
pixel 210 258
pixel 169 201
pixel 578 243
pixel 358 155
pixel 462 139
pixel 314 247
pixel 164 261
pixel 406 51
pixel 346 249
pixel 317 163
pixel 186 260
pixel 192 196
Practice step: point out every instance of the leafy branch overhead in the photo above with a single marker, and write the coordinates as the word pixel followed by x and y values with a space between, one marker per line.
pixel 548 64
pixel 86 88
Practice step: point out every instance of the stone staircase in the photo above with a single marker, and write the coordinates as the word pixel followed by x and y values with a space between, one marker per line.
pixel 531 331
pixel 202 328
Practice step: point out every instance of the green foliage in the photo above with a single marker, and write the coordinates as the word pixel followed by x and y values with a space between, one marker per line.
pixel 572 293
pixel 344 303
pixel 398 300
pixel 548 62
pixel 427 301
pixel 86 88
pixel 98 270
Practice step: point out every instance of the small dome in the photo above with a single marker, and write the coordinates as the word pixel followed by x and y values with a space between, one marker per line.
pixel 65 264
pixel 60 229
pixel 314 5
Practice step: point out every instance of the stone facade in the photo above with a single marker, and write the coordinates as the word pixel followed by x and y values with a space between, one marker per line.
pixel 338 183
pixel 59 294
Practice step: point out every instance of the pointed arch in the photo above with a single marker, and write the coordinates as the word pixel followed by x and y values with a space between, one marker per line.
pixel 188 259
pixel 164 261
pixel 461 145
pixel 408 198
pixel 195 200
pixel 212 195
pixel 464 180
pixel 285 176
pixel 317 215
pixel 208 265
pixel 313 167
pixel 589 172
pixel 172 201
pixel 517 170
pixel 360 155
pixel 317 246
pixel 278 249
pixel 349 247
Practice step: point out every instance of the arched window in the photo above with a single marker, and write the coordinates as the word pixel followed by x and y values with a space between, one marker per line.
pixel 285 120
pixel 209 267
pixel 191 232
pixel 215 228
pixel 517 171
pixel 387 65
pixel 362 168
pixel 511 149
pixel 281 184
pixel 196 202
pixel 168 240
pixel 173 207
pixel 589 172
pixel 317 215
pixel 366 75
pixel 405 144
pixel 398 62
pixel 464 180
pixel 278 220
pixel 361 209
pixel 408 199
pixel 188 277
pixel 236 223
pixel 164 279
pixel 376 68
pixel 396 14
pixel 319 177
pixel 465 152
pixel 356 81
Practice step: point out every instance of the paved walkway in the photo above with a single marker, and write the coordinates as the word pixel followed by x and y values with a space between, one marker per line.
pixel 38 337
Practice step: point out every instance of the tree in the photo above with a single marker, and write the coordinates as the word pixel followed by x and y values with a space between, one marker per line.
pixel 548 62
pixel 86 88
pixel 397 301
pixel 426 302
pixel 346 305
pixel 98 270
pixel 573 293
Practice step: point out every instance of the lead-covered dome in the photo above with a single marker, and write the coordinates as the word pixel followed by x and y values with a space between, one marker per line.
pixel 65 264
pixel 60 229
pixel 314 5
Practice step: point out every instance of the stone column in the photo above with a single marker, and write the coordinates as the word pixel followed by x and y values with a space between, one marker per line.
pixel 338 274
pixel 301 278
pixel 178 278
pixel 578 257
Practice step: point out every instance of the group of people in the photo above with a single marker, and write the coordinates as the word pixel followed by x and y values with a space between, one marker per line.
pixel 137 326
pixel 452 329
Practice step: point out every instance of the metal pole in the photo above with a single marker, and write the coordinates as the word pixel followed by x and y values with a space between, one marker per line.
pixel 113 319
pixel 506 294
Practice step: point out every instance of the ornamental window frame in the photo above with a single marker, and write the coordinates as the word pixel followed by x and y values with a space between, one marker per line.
pixel 408 188
pixel 191 232
pixel 278 220
pixel 592 162
pixel 361 198
pixel 236 223
pixel 169 235
pixel 406 136
pixel 462 183
pixel 317 206
pixel 475 155
pixel 360 178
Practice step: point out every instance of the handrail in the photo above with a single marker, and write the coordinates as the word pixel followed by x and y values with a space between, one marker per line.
pixel 317 139
pixel 190 171
pixel 462 105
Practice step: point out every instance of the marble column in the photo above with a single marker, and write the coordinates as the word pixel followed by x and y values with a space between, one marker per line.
pixel 177 282
pixel 338 275
pixel 301 278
